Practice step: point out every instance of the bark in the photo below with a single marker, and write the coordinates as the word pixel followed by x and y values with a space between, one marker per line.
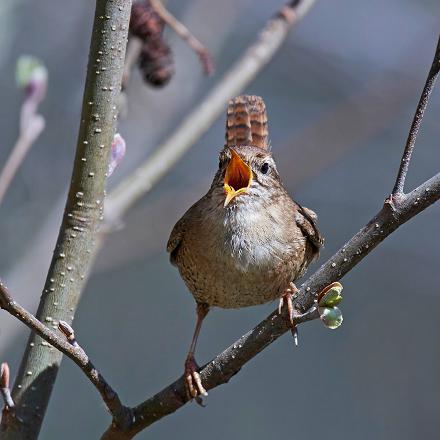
pixel 82 215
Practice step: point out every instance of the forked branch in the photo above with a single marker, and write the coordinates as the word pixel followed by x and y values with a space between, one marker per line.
pixel 67 345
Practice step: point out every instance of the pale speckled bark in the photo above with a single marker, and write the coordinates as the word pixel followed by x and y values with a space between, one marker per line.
pixel 81 218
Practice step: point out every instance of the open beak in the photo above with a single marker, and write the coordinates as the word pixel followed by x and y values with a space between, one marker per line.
pixel 238 177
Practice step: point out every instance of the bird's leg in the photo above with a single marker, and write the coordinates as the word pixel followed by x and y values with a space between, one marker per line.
pixel 287 298
pixel 193 382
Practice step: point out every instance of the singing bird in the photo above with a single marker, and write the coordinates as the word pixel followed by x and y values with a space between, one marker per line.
pixel 246 241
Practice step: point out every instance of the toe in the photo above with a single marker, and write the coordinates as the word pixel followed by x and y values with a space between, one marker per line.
pixel 200 388
pixel 193 381
pixel 280 305
pixel 190 390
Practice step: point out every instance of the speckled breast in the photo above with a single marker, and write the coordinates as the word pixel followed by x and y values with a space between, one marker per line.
pixel 230 274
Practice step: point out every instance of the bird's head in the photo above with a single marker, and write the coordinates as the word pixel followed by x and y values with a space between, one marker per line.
pixel 246 173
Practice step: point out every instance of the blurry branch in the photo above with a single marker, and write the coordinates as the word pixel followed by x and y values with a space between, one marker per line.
pixel 394 213
pixel 32 78
pixel 134 48
pixel 185 35
pixel 81 219
pixel 69 346
pixel 200 119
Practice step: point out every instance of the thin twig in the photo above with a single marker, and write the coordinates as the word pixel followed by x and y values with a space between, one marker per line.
pixel 134 48
pixel 18 153
pixel 31 126
pixel 71 349
pixel 185 34
pixel 415 126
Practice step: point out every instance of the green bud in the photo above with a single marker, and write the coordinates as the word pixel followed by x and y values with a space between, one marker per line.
pixel 331 295
pixel 330 316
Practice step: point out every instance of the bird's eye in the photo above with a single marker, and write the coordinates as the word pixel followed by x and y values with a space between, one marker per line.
pixel 265 168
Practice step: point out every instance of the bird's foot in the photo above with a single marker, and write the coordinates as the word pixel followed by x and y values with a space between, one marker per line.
pixel 287 299
pixel 193 381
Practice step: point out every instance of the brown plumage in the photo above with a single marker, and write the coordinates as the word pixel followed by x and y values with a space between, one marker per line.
pixel 246 240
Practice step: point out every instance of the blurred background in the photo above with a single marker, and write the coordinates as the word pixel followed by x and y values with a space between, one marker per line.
pixel 340 94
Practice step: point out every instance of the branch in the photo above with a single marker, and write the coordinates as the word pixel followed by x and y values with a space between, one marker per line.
pixel 228 363
pixel 81 218
pixel 417 120
pixel 134 49
pixel 71 349
pixel 185 35
pixel 32 77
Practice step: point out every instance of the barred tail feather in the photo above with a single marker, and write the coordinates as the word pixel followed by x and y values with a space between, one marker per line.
pixel 246 122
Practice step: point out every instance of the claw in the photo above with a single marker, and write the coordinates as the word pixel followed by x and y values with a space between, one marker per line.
pixel 193 381
pixel 294 331
pixel 287 298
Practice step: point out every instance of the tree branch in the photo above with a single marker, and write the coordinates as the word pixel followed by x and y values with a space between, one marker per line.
pixel 415 126
pixel 32 77
pixel 134 48
pixel 183 32
pixel 68 346
pixel 81 218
